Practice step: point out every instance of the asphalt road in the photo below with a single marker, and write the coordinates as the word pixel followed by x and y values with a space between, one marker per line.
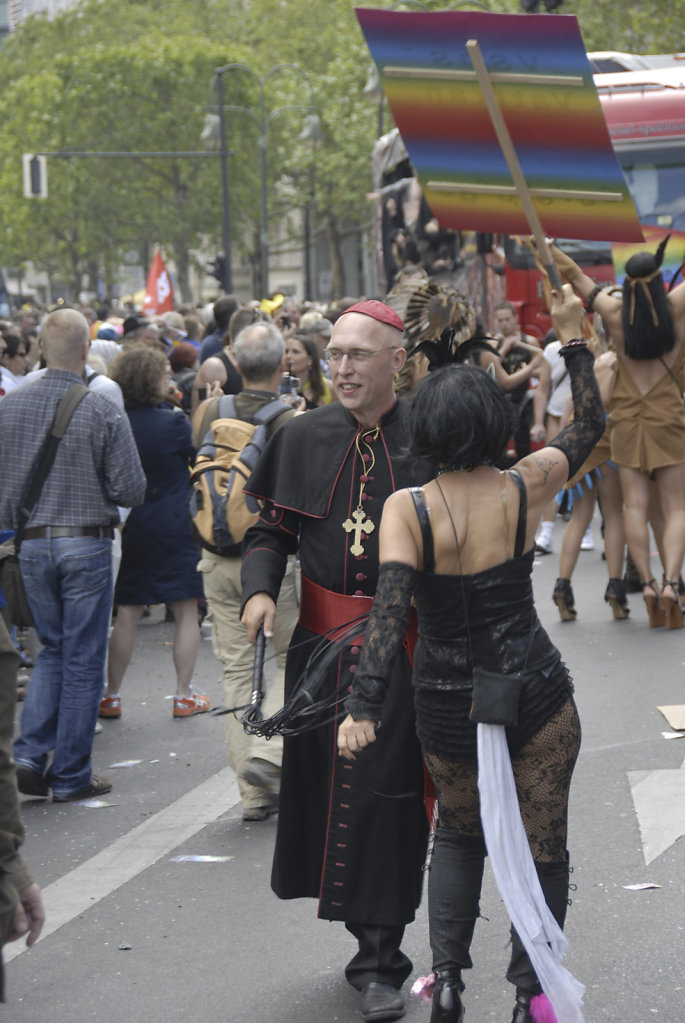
pixel 135 935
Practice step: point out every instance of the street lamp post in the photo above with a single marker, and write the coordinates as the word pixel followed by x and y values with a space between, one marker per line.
pixel 225 202
pixel 262 121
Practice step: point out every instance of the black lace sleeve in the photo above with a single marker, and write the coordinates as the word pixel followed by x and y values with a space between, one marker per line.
pixel 579 438
pixel 388 622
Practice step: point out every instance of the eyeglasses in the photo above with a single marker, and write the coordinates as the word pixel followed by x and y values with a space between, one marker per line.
pixel 356 355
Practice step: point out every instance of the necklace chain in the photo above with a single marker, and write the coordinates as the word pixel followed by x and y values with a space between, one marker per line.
pixel 361 436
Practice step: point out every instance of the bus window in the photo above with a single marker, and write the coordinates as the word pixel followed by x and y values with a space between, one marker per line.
pixel 643 183
pixel 656 179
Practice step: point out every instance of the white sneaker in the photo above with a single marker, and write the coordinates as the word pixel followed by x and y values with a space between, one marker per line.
pixel 587 543
pixel 543 542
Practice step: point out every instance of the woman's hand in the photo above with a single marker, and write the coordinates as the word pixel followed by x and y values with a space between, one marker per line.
pixel 538 433
pixel 354 736
pixel 566 312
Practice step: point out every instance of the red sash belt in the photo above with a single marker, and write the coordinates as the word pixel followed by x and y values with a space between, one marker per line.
pixel 328 613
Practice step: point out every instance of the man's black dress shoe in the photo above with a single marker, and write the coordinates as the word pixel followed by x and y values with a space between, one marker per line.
pixel 30 782
pixel 381 1001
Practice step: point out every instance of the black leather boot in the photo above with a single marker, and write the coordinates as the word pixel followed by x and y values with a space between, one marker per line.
pixel 454 882
pixel 447 1006
pixel 522 1009
pixel 554 879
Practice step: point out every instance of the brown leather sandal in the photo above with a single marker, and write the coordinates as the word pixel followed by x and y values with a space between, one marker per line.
pixel 655 611
pixel 672 610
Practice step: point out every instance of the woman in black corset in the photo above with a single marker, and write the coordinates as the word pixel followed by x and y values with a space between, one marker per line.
pixel 462 547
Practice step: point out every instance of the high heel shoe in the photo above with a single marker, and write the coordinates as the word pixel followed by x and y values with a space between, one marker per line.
pixel 563 598
pixel 615 594
pixel 447 1006
pixel 655 611
pixel 671 606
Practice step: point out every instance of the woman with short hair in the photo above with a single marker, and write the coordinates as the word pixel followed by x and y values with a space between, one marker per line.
pixel 159 553
pixel 462 546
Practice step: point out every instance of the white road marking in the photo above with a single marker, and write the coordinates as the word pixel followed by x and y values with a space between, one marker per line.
pixel 659 801
pixel 121 861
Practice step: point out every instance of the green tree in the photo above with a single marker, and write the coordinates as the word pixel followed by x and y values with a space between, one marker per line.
pixel 110 89
pixel 118 99
pixel 654 27
pixel 93 95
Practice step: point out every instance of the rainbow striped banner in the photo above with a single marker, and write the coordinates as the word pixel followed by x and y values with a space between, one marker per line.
pixel 674 255
pixel 543 85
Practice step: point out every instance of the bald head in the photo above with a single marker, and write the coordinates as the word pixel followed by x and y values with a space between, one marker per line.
pixel 64 339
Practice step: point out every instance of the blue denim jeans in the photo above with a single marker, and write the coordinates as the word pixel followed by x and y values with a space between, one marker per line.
pixel 68 582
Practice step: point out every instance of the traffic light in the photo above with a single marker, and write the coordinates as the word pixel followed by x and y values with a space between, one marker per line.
pixel 218 269
pixel 35 176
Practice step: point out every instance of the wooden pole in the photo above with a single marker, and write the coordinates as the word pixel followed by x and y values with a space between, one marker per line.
pixel 509 153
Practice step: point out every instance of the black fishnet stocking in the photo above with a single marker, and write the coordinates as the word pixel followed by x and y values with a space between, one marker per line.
pixel 542 771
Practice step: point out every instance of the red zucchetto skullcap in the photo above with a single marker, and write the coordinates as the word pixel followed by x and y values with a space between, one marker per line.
pixel 377 311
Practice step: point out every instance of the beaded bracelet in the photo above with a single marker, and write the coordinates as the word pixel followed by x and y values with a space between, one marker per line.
pixel 590 301
pixel 573 345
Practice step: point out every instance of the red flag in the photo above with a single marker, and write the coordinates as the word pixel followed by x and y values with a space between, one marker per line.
pixel 159 295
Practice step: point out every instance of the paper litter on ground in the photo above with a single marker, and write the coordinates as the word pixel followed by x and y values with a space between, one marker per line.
pixel 675 715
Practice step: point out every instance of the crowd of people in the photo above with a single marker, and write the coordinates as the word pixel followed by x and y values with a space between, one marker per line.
pixel 388 561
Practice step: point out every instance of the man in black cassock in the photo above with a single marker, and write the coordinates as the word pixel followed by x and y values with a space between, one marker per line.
pixel 352 835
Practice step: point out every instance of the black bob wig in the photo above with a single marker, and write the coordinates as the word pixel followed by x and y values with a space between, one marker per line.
pixel 460 418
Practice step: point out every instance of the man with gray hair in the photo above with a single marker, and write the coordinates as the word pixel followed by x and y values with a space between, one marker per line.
pixel 65 556
pixel 259 351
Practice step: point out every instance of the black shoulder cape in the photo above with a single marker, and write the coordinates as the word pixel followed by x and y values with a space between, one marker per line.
pixel 301 463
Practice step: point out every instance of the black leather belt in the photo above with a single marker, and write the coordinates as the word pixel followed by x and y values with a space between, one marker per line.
pixel 51 532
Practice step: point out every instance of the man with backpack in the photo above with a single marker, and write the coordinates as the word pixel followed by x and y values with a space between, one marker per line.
pixel 259 351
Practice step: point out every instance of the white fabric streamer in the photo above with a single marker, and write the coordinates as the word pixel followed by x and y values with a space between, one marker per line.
pixel 517 879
